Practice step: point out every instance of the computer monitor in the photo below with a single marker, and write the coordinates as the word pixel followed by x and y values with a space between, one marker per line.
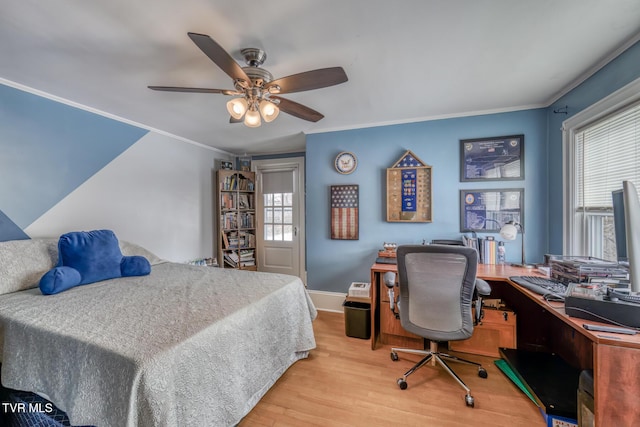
pixel 620 229
pixel 631 234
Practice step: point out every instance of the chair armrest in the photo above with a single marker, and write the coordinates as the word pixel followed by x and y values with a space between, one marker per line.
pixel 483 288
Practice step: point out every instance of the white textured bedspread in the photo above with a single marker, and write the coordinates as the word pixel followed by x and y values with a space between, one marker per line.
pixel 184 346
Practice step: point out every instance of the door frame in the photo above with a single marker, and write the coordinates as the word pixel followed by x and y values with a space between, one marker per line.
pixel 299 187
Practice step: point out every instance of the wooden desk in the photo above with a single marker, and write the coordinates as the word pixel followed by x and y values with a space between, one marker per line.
pixel 544 326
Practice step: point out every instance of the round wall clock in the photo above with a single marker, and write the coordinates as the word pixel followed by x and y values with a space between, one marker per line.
pixel 346 162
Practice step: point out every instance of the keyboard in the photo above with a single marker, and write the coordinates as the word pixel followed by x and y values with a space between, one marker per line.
pixel 386 260
pixel 623 297
pixel 541 285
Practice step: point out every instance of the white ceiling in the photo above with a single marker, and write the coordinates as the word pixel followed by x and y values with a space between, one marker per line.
pixel 406 60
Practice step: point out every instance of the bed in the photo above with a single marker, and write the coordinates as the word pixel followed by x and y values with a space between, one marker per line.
pixel 186 345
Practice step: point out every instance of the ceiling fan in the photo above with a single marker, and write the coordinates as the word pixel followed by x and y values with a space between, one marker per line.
pixel 256 92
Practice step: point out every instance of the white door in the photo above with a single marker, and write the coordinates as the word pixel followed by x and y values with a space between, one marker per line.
pixel 280 209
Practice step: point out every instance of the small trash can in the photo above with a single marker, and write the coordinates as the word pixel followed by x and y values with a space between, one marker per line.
pixel 357 319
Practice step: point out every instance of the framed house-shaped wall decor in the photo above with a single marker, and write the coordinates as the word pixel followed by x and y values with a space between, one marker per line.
pixel 409 190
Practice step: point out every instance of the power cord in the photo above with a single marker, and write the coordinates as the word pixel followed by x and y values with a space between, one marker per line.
pixel 604 319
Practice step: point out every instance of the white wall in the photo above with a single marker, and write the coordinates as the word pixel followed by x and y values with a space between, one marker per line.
pixel 158 193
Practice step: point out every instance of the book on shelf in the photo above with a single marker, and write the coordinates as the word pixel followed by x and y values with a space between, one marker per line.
pixel 236 240
pixel 247 256
pixel 228 183
pixel 245 259
pixel 236 182
pixel 230 259
pixel 227 201
pixel 245 184
pixel 245 201
pixel 246 220
pixel 244 253
pixel 229 220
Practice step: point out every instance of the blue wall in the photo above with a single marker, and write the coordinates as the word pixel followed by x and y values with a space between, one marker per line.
pixel 47 149
pixel 333 264
pixel 64 169
pixel 622 70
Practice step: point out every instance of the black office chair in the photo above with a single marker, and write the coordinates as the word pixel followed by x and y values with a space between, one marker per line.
pixel 437 286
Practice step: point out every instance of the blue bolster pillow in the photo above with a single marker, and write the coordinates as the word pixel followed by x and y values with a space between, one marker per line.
pixel 135 265
pixel 59 279
pixel 87 257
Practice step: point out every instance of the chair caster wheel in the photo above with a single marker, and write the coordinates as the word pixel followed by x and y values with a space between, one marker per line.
pixel 402 384
pixel 482 373
pixel 394 356
pixel 468 399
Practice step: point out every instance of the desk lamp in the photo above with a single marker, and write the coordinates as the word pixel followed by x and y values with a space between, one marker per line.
pixel 509 231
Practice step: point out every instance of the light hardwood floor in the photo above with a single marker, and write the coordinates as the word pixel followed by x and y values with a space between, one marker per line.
pixel 345 383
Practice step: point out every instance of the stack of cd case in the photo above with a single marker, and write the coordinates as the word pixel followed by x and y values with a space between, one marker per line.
pixel 573 269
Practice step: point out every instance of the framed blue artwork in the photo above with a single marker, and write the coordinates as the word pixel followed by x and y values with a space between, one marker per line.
pixel 499 158
pixel 488 210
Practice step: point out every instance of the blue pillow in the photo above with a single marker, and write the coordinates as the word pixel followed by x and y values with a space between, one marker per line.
pixel 135 265
pixel 59 279
pixel 95 254
pixel 87 257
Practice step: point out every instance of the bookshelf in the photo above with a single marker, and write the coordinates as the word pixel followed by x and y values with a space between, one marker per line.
pixel 236 218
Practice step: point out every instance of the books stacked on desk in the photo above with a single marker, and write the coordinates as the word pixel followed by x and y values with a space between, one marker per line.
pixel 386 257
pixel 487 248
pixel 585 269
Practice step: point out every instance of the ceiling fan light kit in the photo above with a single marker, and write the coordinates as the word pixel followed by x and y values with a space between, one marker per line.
pixel 254 86
pixel 252 118
pixel 268 110
pixel 237 107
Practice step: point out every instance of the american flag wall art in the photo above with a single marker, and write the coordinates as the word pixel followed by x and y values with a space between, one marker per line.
pixel 344 212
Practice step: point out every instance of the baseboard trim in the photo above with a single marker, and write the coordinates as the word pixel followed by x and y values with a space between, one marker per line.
pixel 328 301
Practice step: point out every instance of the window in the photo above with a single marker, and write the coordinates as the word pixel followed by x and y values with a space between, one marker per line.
pixel 277 190
pixel 603 149
pixel 278 218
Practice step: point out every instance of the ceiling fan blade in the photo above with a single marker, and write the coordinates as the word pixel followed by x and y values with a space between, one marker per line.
pixel 308 80
pixel 298 110
pixel 192 89
pixel 232 120
pixel 220 57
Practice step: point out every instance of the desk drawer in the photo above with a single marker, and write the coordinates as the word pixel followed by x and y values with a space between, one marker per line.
pixel 498 329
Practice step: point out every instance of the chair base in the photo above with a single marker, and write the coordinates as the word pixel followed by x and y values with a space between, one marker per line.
pixel 436 357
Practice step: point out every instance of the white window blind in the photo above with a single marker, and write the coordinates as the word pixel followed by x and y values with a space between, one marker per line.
pixel 277 182
pixel 609 153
